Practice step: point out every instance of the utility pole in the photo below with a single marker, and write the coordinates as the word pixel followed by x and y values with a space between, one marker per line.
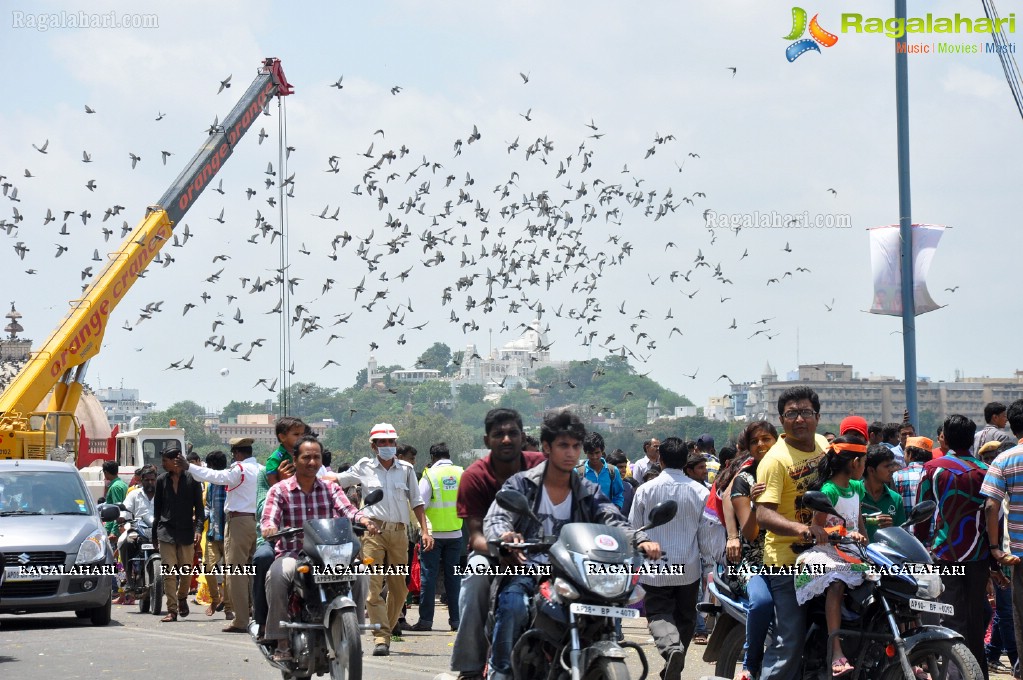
pixel 905 218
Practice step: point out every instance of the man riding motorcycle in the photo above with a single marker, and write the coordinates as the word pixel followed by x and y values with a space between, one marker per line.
pixel 139 503
pixel 558 496
pixel 288 504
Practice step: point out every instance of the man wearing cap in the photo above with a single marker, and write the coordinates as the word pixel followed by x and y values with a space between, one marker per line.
pixel 398 481
pixel 906 480
pixel 178 516
pixel 240 537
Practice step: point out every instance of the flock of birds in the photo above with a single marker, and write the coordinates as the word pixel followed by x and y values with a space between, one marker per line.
pixel 537 244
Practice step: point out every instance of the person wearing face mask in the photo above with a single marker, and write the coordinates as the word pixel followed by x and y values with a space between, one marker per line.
pixel 398 481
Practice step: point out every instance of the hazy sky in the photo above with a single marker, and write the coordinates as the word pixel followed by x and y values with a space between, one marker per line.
pixel 773 136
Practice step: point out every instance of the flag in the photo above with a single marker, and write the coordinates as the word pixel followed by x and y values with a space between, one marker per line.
pixel 884 260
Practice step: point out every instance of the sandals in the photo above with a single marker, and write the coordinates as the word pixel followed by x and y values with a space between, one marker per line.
pixel 282 656
pixel 840 667
pixel 744 675
pixel 211 609
pixel 700 639
pixel 170 618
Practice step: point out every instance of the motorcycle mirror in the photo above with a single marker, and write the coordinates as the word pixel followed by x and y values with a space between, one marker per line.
pixel 373 497
pixel 662 513
pixel 921 512
pixel 818 502
pixel 108 513
pixel 513 501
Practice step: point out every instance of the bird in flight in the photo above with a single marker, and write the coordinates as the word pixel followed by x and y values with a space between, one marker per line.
pixel 224 84
pixel 952 290
pixel 732 69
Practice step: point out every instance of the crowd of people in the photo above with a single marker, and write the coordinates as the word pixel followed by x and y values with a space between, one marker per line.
pixel 740 514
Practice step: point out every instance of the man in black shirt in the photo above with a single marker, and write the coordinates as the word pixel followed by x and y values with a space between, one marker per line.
pixel 178 514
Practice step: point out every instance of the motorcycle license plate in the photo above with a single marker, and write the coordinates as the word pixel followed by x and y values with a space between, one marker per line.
pixel 333 578
pixel 596 610
pixel 14 575
pixel 931 607
pixel 147 546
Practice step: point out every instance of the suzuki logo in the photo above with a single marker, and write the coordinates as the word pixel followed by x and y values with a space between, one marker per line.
pixel 24 558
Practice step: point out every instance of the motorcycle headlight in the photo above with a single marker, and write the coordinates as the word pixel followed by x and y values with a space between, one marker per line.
pixel 336 555
pixel 928 585
pixel 605 580
pixel 93 548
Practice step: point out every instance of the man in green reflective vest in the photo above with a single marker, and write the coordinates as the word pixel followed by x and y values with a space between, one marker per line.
pixel 439 489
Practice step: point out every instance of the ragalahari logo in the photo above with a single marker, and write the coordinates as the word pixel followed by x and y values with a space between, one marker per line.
pixel 818 35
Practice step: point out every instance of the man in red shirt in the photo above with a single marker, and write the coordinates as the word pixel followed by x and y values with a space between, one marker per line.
pixel 476 492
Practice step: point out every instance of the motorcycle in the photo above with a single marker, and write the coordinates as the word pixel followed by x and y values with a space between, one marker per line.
pixel 323 628
pixel 593 577
pixel 882 633
pixel 143 573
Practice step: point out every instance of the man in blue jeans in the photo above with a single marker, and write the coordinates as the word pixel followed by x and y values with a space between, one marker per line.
pixel 439 489
pixel 786 470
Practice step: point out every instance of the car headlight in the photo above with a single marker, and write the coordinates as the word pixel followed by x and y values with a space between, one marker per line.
pixel 336 555
pixel 610 583
pixel 93 548
pixel 928 585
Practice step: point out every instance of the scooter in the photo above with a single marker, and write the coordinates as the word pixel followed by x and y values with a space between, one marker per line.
pixel 323 628
pixel 144 578
pixel 593 578
pixel 882 633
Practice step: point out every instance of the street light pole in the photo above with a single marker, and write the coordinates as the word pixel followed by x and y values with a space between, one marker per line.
pixel 905 215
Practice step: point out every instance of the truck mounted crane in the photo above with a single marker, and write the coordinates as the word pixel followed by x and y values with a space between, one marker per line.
pixel 58 368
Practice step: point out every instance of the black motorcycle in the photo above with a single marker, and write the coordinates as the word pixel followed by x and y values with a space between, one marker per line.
pixel 592 581
pixel 323 628
pixel 881 633
pixel 143 572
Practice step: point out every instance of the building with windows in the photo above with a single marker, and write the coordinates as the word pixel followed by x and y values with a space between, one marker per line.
pixel 261 427
pixel 843 392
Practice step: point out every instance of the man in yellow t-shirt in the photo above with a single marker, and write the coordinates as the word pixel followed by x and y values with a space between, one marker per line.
pixel 786 470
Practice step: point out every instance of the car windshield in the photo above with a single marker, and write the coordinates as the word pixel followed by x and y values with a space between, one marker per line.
pixel 42 493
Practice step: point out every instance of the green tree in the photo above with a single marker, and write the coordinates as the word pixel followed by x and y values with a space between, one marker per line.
pixel 189 416
pixel 234 408
pixel 437 358
pixel 471 394
pixel 522 401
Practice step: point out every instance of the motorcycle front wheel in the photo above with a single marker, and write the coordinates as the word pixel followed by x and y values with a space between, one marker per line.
pixel 607 669
pixel 153 573
pixel 344 637
pixel 939 659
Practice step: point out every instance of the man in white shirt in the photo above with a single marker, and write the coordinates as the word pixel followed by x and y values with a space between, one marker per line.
pixel 398 481
pixel 138 502
pixel 240 537
pixel 691 539
pixel 639 468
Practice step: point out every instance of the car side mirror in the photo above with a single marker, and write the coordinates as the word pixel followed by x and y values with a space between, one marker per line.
pixel 109 513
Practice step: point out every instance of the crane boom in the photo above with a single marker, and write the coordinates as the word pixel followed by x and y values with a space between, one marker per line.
pixel 60 363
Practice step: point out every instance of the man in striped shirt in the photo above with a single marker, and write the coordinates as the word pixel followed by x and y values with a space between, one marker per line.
pixel 691 539
pixel 288 505
pixel 959 536
pixel 1004 481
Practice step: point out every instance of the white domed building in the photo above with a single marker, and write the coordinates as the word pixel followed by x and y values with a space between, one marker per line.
pixel 512 365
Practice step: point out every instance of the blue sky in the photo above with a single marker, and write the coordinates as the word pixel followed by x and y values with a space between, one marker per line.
pixel 776 136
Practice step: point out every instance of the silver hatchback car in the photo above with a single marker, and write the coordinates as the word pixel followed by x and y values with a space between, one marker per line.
pixel 54 547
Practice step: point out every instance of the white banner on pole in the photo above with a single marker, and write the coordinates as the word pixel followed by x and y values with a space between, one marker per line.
pixel 884 260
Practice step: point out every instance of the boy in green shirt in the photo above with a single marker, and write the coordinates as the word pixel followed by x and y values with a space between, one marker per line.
pixel 116 491
pixel 882 507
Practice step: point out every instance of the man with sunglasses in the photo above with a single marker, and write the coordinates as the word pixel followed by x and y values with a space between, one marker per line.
pixel 786 470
